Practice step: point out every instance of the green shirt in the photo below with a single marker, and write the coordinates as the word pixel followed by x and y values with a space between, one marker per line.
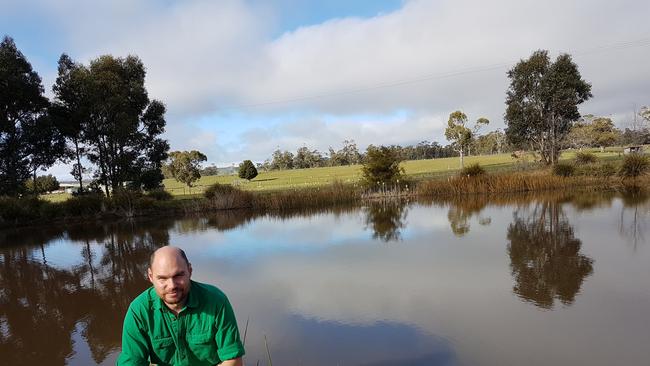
pixel 204 332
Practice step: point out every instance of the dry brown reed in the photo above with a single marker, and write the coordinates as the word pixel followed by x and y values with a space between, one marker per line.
pixel 504 183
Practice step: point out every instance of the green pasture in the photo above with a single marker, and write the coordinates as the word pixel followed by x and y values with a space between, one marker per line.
pixel 414 169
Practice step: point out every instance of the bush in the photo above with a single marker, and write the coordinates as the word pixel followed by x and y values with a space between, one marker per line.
pixel 83 205
pixel 216 190
pixel 13 209
pixel 225 196
pixel 43 184
pixel 563 169
pixel 160 195
pixel 634 165
pixel 247 170
pixel 472 170
pixel 125 199
pixel 596 170
pixel 381 166
pixel 585 158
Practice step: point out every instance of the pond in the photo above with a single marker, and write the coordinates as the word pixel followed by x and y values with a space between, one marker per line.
pixel 513 280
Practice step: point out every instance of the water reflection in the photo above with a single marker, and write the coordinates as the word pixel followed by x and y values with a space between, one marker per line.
pixel 545 257
pixel 332 295
pixel 635 215
pixel 41 305
pixel 386 218
pixel 462 210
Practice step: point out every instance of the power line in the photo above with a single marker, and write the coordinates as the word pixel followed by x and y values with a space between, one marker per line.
pixel 642 42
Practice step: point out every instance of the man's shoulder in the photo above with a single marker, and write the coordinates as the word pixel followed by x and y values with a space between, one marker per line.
pixel 144 301
pixel 207 291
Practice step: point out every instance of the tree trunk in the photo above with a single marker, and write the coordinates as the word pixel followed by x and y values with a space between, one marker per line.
pixel 76 146
pixel 462 164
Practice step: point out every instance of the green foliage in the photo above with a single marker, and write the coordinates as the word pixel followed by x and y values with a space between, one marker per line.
pixel 348 155
pixel 306 158
pixel 592 131
pixel 22 114
pixel 247 170
pixel 472 170
pixel 281 160
pixel 382 166
pixel 459 134
pixel 44 184
pixel 603 170
pixel 634 165
pixel 14 209
pixel 84 205
pixel 108 117
pixel 542 102
pixel 160 195
pixel 184 166
pixel 585 158
pixel 563 169
pixel 125 199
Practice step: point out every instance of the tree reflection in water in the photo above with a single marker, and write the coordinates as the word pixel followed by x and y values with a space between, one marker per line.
pixel 386 219
pixel 40 305
pixel 545 257
pixel 633 222
pixel 462 210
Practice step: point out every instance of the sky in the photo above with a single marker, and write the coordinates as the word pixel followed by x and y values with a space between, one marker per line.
pixel 243 78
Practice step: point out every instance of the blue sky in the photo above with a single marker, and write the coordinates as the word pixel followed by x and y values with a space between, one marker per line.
pixel 242 78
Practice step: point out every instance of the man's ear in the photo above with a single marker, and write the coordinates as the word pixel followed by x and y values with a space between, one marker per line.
pixel 189 267
pixel 150 275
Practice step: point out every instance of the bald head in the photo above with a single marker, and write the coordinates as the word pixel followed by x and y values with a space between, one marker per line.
pixel 170 273
pixel 167 253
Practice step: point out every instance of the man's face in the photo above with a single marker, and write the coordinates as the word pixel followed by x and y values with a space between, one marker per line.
pixel 170 276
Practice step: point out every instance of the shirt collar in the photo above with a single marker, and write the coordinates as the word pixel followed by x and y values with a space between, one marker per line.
pixel 192 298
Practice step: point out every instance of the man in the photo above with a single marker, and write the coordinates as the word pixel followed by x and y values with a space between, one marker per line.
pixel 179 321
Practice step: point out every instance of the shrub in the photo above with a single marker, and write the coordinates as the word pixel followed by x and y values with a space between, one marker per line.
pixel 160 195
pixel 472 170
pixel 83 205
pixel 125 200
pixel 381 167
pixel 634 165
pixel 145 203
pixel 563 169
pixel 606 170
pixel 216 190
pixel 596 170
pixel 43 184
pixel 247 170
pixel 225 196
pixel 585 158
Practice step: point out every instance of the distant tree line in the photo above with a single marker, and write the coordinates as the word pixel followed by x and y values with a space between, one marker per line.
pixel 491 143
pixel 100 119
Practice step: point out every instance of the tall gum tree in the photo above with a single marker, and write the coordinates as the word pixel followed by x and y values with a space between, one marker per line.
pixel 23 110
pixel 542 102
pixel 461 135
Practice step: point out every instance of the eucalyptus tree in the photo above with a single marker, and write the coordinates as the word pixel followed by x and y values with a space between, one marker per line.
pixel 28 139
pixel 185 166
pixel 112 121
pixel 542 102
pixel 461 135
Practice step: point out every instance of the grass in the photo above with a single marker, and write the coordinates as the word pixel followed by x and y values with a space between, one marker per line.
pixel 415 170
pixel 315 177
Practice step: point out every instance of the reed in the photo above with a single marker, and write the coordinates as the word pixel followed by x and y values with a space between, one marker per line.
pixel 503 183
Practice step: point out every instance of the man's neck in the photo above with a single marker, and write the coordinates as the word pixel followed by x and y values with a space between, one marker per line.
pixel 176 308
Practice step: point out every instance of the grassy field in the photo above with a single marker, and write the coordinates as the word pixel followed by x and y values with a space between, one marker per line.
pixel 302 178
pixel 414 169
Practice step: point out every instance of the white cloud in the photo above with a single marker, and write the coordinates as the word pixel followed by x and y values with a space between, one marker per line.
pixel 204 57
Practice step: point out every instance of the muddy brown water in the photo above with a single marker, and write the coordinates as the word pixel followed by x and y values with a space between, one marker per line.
pixel 551 279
